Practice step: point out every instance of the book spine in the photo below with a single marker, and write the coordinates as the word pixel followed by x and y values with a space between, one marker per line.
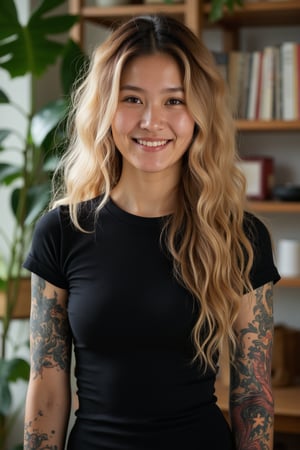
pixel 253 86
pixel 288 80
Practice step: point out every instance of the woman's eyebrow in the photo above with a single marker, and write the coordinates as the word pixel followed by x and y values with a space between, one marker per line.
pixel 129 87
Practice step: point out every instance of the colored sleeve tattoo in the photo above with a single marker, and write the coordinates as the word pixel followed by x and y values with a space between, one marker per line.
pixel 50 332
pixel 251 400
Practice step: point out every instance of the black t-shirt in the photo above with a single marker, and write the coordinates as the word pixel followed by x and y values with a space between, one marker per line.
pixel 131 323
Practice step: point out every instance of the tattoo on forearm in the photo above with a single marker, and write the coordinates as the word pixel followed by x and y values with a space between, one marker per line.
pixel 34 440
pixel 251 400
pixel 50 333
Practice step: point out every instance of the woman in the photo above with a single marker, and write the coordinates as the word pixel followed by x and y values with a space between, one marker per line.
pixel 148 262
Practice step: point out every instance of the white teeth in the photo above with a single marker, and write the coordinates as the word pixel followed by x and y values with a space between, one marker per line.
pixel 151 143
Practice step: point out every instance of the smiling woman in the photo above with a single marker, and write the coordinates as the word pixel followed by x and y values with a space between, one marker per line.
pixel 149 262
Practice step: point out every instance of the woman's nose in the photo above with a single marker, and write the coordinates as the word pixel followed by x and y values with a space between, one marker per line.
pixel 152 118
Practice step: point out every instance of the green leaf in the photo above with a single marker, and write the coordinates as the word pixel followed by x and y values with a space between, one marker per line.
pixel 46 120
pixel 27 48
pixel 4 133
pixel 5 398
pixel 37 199
pixel 216 11
pixel 11 370
pixel 3 97
pixel 18 369
pixel 9 173
pixel 74 64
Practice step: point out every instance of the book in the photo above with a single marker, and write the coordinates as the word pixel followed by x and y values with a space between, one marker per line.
pixel 221 59
pixel 253 84
pixel 244 88
pixel 237 62
pixel 288 80
pixel 267 85
pixel 297 80
pixel 277 112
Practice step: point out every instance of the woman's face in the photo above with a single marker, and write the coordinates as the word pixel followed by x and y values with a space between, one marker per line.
pixel 152 127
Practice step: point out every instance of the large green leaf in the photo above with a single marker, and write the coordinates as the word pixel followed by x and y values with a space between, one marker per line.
pixel 9 172
pixel 38 197
pixel 11 370
pixel 38 200
pixel 3 97
pixel 5 398
pixel 46 120
pixel 74 64
pixel 4 133
pixel 27 48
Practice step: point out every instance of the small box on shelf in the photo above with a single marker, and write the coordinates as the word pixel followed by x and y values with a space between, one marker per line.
pixel 259 173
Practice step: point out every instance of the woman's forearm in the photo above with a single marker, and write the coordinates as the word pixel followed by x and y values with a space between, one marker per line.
pixel 252 418
pixel 251 398
pixel 46 421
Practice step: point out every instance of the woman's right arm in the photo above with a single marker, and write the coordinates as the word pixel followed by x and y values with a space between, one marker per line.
pixel 48 396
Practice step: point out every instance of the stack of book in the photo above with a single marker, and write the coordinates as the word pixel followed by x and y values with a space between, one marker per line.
pixel 264 85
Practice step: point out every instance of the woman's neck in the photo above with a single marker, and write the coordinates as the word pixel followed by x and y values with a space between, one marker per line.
pixel 150 196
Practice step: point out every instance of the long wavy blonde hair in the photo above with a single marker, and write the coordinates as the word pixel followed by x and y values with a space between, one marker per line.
pixel 205 235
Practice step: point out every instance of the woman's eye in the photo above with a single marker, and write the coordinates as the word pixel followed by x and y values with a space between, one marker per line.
pixel 175 101
pixel 131 99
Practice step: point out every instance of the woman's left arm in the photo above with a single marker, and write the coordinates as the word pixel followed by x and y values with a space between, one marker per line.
pixel 251 400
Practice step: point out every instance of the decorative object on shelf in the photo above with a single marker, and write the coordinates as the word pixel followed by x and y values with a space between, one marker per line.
pixel 288 255
pixel 287 192
pixel 112 2
pixel 259 173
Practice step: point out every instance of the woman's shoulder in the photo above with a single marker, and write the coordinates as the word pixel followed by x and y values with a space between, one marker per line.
pixel 59 217
pixel 255 229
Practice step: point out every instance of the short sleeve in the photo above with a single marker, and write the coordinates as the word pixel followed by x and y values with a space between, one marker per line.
pixel 263 268
pixel 45 255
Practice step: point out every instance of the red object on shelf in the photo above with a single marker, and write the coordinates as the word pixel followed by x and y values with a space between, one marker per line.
pixel 259 173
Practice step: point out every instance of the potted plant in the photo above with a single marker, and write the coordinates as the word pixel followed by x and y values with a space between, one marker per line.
pixel 28 49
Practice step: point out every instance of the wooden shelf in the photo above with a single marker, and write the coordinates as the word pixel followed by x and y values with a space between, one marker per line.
pixel 113 15
pixel 261 13
pixel 274 207
pixel 290 282
pixel 22 307
pixel 268 125
pixel 287 407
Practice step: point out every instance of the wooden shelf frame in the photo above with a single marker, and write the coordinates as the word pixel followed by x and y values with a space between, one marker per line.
pixel 189 11
pixel 290 283
pixel 267 125
pixel 261 13
pixel 274 207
